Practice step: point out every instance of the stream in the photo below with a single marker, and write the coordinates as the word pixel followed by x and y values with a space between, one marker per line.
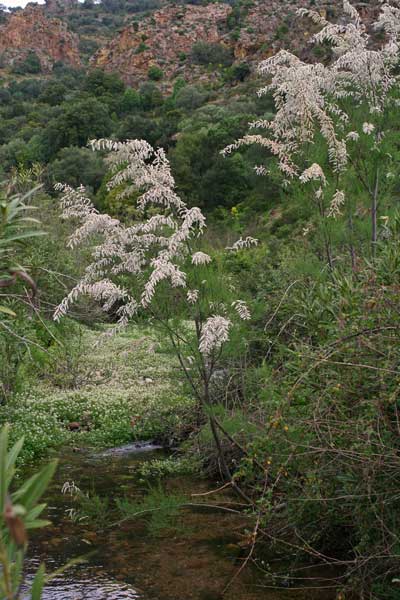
pixel 195 560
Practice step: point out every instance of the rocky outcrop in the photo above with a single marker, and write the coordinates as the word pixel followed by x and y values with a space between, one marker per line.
pixel 167 37
pixel 165 40
pixel 31 31
pixel 255 30
pixel 269 26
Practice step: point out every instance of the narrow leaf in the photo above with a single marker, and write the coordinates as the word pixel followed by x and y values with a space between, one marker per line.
pixel 38 583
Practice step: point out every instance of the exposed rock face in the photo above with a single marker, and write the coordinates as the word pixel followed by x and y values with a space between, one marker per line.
pixel 260 30
pixel 268 27
pixel 31 31
pixel 163 40
pixel 165 37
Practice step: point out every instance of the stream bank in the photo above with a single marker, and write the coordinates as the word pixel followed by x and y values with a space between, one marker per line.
pixel 192 558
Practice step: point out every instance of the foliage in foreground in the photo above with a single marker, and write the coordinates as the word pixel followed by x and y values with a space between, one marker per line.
pixel 19 512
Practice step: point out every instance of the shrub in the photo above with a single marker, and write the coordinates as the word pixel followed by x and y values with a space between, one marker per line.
pixel 204 53
pixel 155 73
pixel 31 64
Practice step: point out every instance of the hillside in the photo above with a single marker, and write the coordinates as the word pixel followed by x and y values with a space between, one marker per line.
pixel 32 31
pixel 172 39
pixel 192 41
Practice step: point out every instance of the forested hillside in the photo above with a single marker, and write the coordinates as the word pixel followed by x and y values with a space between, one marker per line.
pixel 199 259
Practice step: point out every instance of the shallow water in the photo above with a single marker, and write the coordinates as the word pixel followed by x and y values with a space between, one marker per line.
pixel 195 561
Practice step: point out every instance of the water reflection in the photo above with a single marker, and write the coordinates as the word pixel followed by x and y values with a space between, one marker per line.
pixel 85 583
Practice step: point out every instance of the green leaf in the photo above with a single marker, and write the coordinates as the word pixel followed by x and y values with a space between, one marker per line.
pixel 35 512
pixel 3 466
pixel 12 457
pixel 37 524
pixel 7 311
pixel 38 583
pixel 32 490
pixel 21 236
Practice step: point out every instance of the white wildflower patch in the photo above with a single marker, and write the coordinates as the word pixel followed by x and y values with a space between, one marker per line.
pixel 115 405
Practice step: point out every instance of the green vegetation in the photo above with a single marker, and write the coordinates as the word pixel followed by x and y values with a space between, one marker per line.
pixel 51 122
pixel 29 66
pixel 19 513
pixel 160 510
pixel 275 366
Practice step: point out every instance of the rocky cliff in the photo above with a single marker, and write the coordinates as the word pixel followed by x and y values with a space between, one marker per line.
pixel 166 38
pixel 31 30
pixel 161 38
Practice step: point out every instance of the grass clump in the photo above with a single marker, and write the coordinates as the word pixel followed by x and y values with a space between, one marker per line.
pixel 159 509
pixel 168 467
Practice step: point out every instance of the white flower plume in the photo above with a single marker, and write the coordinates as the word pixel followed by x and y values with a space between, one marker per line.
pixel 241 244
pixel 201 258
pixel 214 334
pixel 311 98
pixel 313 173
pixel 192 296
pixel 336 204
pixel 242 309
pixel 156 246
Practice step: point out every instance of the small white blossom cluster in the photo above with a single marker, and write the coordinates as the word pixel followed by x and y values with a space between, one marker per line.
pixel 313 173
pixel 69 487
pixel 242 244
pixel 214 334
pixel 336 204
pixel 242 309
pixel 353 136
pixel 368 128
pixel 192 296
pixel 201 258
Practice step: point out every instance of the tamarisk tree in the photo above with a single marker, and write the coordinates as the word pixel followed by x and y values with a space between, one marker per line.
pixel 342 106
pixel 156 266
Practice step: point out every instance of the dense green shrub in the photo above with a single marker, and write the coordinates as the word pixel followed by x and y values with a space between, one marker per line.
pixel 204 53
pixel 30 65
pixel 155 73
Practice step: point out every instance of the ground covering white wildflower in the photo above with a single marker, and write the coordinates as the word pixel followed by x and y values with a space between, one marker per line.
pixel 132 390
